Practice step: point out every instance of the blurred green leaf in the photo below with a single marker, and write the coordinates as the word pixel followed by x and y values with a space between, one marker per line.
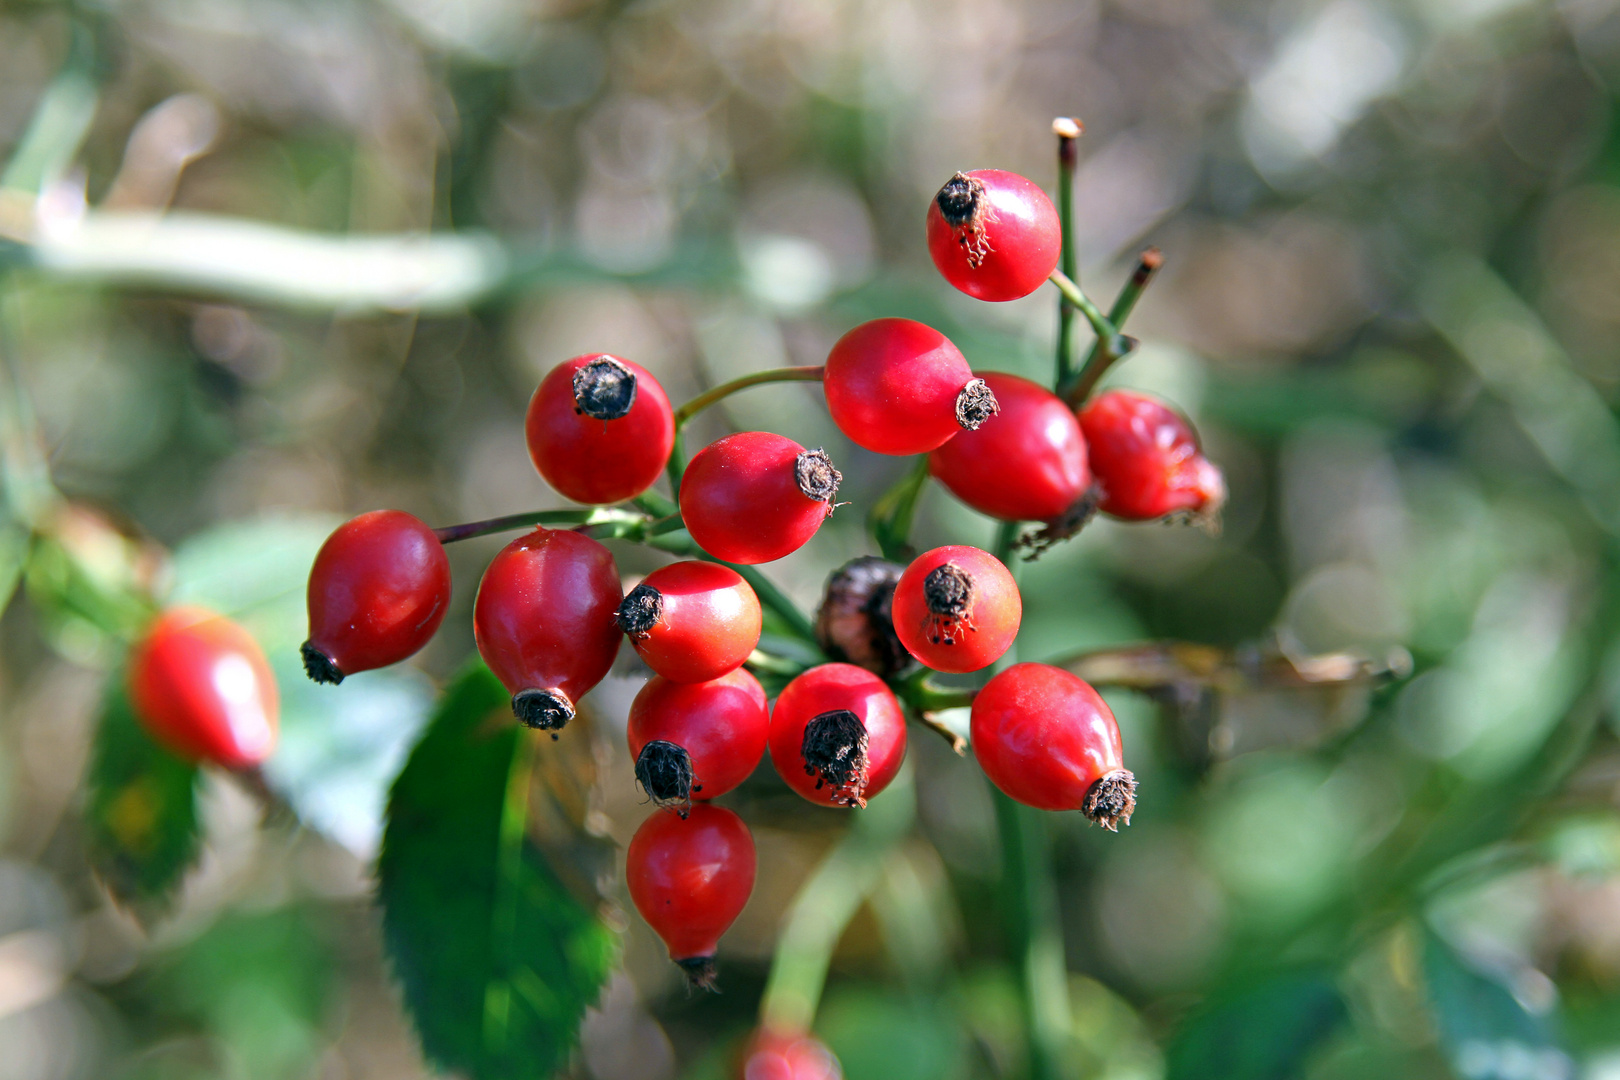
pixel 1486 1032
pixel 1260 1032
pixel 142 816
pixel 877 1035
pixel 497 959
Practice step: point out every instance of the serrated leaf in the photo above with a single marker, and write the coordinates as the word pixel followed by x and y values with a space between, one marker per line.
pixel 1261 1032
pixel 1485 1031
pixel 142 820
pixel 498 960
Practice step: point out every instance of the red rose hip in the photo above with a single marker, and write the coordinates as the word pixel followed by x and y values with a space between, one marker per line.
pixel 696 740
pixel 837 735
pixel 544 622
pixel 957 609
pixel 772 1055
pixel 377 592
pixel 600 429
pixel 1026 464
pixel 993 234
pixel 754 497
pixel 201 686
pixel 692 621
pixel 1146 458
pixel 1047 739
pixel 690 878
pixel 895 386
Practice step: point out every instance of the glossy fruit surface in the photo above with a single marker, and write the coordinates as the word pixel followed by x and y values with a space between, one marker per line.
pixel 994 234
pixel 896 386
pixel 690 878
pixel 1026 464
pixel 1047 739
pixel 544 622
pixel 957 608
pixel 599 428
pixel 754 497
pixel 692 621
pixel 378 591
pixel 1146 459
pixel 201 686
pixel 697 740
pixel 773 1056
pixel 837 735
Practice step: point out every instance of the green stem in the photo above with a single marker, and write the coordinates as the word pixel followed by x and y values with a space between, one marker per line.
pixel 889 521
pixel 1100 359
pixel 1108 335
pixel 1068 132
pixel 590 516
pixel 675 467
pixel 826 903
pixel 725 390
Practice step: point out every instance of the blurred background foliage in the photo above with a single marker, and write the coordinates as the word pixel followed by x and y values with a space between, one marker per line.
pixel 1391 301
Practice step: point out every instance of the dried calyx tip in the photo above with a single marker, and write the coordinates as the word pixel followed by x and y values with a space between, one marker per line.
pixel 664 772
pixel 976 404
pixel 640 611
pixel 604 389
pixel 320 667
pixel 961 200
pixel 700 973
pixel 1062 527
pixel 543 710
pixel 948 591
pixel 1111 800
pixel 834 750
pixel 814 473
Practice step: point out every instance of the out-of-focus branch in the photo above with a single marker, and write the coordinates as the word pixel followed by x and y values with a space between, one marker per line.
pixel 1162 665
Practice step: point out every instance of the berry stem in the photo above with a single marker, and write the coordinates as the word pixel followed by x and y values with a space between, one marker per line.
pixel 725 390
pixel 1109 339
pixel 675 467
pixel 827 901
pixel 1068 131
pixel 1099 359
pixel 924 699
pixel 589 516
pixel 890 519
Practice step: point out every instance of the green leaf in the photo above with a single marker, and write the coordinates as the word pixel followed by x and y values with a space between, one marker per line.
pixel 1485 1031
pixel 1260 1032
pixel 142 819
pixel 497 957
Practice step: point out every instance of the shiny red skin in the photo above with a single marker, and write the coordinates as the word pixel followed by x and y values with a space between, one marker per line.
pixel 740 500
pixel 544 618
pixel 1024 236
pixel 201 686
pixel 774 1056
pixel 826 688
pixel 378 591
pixel 711 622
pixel 1044 736
pixel 1146 458
pixel 1026 463
pixel 691 877
pixel 721 724
pixel 991 623
pixel 599 461
pixel 892 385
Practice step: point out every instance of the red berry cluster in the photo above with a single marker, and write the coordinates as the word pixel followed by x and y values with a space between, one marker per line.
pixel 551 611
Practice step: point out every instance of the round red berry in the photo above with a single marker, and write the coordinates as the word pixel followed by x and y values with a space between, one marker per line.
pixel 896 386
pixel 544 622
pixel 754 497
pixel 692 621
pixel 377 592
pixel 837 735
pixel 1045 738
pixel 1146 459
pixel 1026 464
pixel 201 686
pixel 690 878
pixel 957 609
pixel 993 234
pixel 696 740
pixel 772 1055
pixel 600 429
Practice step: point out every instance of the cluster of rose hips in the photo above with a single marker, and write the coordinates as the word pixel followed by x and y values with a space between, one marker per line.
pixel 551 611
